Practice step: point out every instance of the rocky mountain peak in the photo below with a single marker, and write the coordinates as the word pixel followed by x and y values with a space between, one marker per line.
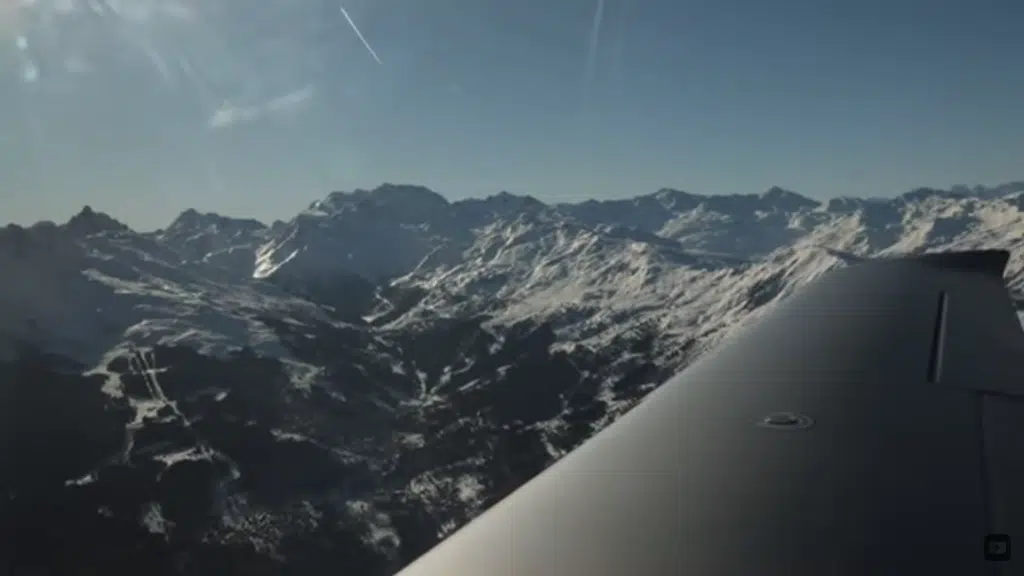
pixel 88 222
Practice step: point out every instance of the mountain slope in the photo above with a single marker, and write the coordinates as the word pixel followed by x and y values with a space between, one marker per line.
pixel 341 390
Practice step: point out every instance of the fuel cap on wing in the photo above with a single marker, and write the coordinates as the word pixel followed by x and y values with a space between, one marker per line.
pixel 786 421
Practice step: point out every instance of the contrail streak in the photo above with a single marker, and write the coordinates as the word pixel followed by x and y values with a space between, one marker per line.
pixel 359 34
pixel 595 38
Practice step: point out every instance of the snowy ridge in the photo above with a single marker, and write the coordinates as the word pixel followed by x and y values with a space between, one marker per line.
pixel 596 281
pixel 85 294
pixel 218 240
pixel 594 284
pixel 372 234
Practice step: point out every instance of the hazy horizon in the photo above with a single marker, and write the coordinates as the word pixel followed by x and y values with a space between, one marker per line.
pixel 143 109
pixel 285 217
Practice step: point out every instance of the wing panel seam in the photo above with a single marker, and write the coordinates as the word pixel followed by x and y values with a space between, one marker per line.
pixel 938 339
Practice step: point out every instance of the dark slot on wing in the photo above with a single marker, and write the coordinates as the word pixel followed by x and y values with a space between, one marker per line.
pixel 938 339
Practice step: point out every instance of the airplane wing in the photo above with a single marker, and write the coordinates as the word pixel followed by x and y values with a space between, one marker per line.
pixel 872 423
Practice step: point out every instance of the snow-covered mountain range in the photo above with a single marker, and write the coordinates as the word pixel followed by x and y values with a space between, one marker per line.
pixel 336 392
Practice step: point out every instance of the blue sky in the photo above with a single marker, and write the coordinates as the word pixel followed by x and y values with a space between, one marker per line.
pixel 142 108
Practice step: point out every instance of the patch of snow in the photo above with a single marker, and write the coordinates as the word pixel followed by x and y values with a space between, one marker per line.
pixel 153 520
